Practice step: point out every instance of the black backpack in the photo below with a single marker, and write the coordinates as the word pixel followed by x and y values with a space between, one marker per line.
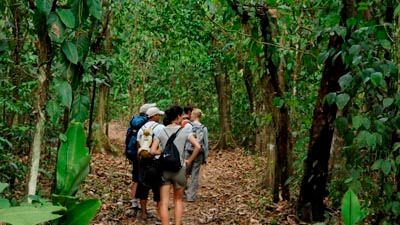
pixel 170 158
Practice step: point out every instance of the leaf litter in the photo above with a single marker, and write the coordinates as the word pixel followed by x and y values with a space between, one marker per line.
pixel 229 189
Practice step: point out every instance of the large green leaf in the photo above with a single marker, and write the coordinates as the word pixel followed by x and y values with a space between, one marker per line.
pixel 67 17
pixel 386 167
pixel 70 51
pixel 82 44
pixel 376 78
pixel 53 110
pixel 331 97
pixel 95 8
pixel 80 108
pixel 83 213
pixel 3 186
pixel 387 102
pixel 351 211
pixel 73 161
pixel 27 215
pixel 55 28
pixel 342 100
pixel 44 6
pixel 345 81
pixel 64 91
pixel 4 203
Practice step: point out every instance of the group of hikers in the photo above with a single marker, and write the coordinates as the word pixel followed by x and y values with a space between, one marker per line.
pixel 165 155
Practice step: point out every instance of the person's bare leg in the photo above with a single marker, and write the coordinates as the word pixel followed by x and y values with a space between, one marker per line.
pixel 164 200
pixel 133 189
pixel 178 202
pixel 158 210
pixel 143 205
pixel 135 203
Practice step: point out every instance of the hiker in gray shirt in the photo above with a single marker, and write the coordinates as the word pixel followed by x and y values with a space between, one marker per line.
pixel 177 179
pixel 201 134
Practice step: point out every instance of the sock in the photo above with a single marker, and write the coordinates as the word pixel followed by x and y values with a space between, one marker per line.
pixel 135 203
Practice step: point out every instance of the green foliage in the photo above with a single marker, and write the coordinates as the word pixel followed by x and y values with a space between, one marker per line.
pixel 67 17
pixel 29 215
pixel 44 6
pixel 80 108
pixel 73 161
pixel 83 213
pixel 351 211
pixel 95 8
pixel 70 51
pixel 3 186
pixel 64 92
pixel 55 28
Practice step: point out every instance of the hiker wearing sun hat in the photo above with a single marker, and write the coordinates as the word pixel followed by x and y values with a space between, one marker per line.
pixel 149 176
pixel 135 124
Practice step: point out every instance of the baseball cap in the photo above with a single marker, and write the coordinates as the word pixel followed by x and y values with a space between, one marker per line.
pixel 154 111
pixel 145 107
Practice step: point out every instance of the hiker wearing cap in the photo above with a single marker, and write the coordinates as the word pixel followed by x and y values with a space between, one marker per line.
pixel 172 139
pixel 131 148
pixel 200 132
pixel 149 177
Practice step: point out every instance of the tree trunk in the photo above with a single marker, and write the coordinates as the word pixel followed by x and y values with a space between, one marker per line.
pixel 223 87
pixel 266 135
pixel 102 143
pixel 281 115
pixel 297 69
pixel 16 56
pixel 92 102
pixel 45 57
pixel 312 191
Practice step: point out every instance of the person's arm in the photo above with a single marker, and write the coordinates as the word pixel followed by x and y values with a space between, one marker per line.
pixel 196 150
pixel 154 147
pixel 206 139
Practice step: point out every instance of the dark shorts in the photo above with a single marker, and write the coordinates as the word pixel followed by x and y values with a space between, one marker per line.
pixel 135 170
pixel 142 192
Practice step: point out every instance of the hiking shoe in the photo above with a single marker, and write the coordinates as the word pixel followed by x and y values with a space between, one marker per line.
pixel 142 220
pixel 189 200
pixel 158 222
pixel 150 216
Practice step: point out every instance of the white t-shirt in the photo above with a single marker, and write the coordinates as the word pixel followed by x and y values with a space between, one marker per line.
pixel 157 128
pixel 151 124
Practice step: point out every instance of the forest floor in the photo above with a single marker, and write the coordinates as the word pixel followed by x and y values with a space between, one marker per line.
pixel 229 190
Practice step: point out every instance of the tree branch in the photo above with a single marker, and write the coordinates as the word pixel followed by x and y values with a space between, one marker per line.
pixel 258 41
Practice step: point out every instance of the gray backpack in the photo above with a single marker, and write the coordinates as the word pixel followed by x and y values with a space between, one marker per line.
pixel 198 131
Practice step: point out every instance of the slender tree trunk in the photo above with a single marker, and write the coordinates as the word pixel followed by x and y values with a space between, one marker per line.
pixel 92 102
pixel 297 69
pixel 223 87
pixel 219 84
pixel 16 56
pixel 312 191
pixel 101 106
pixel 281 116
pixel 131 92
pixel 45 56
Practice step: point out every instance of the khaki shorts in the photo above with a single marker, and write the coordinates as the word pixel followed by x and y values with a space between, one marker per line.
pixel 178 179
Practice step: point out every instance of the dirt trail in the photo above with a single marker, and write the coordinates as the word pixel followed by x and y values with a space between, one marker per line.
pixel 228 190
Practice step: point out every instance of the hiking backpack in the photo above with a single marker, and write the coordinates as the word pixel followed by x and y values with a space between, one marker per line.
pixel 170 158
pixel 146 140
pixel 198 132
pixel 131 135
